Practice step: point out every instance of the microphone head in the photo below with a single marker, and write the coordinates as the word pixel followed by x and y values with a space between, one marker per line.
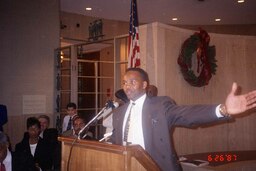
pixel 112 104
pixel 115 104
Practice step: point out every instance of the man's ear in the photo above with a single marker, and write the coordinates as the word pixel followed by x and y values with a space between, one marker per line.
pixel 145 84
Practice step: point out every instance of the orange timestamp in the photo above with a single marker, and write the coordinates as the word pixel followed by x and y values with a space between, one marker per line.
pixel 227 157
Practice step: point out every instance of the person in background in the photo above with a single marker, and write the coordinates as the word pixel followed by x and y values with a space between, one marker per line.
pixel 67 121
pixel 50 135
pixel 152 91
pixel 34 149
pixel 152 119
pixel 78 124
pixel 44 123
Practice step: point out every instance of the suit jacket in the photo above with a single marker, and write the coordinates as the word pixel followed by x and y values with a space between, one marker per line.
pixel 22 162
pixel 159 117
pixel 51 137
pixel 42 156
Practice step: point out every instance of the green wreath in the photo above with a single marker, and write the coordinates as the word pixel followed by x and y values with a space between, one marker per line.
pixel 206 62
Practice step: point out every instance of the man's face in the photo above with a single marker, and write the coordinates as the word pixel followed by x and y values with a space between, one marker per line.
pixel 3 151
pixel 78 125
pixel 133 85
pixel 71 111
pixel 44 123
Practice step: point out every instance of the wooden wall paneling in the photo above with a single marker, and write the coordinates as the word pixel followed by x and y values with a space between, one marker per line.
pixel 233 54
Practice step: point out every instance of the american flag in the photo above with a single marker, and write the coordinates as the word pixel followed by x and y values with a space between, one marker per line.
pixel 133 47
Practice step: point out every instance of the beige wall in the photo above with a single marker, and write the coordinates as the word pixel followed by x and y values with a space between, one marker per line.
pixel 160 47
pixel 29 34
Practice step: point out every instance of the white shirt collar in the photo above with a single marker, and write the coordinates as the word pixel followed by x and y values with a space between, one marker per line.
pixel 139 100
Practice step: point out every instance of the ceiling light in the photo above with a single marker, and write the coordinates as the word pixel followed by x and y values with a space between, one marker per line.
pixel 88 8
pixel 174 19
pixel 240 1
pixel 217 19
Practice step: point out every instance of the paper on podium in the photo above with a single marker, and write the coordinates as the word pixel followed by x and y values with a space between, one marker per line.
pixel 195 163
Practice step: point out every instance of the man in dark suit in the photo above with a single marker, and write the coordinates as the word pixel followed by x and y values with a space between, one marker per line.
pixel 152 119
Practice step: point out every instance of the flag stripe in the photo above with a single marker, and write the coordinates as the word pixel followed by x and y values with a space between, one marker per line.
pixel 133 46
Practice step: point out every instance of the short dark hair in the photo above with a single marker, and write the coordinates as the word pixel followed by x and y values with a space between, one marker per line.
pixel 33 121
pixel 71 104
pixel 77 117
pixel 45 117
pixel 143 73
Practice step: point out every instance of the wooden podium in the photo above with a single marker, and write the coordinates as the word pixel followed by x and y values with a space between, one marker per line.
pixel 83 155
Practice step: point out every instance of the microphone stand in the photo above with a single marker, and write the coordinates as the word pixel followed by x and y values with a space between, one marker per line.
pixel 86 127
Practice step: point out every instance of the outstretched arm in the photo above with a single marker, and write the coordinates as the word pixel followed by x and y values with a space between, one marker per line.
pixel 236 104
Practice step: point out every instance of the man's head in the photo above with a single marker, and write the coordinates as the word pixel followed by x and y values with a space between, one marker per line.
pixel 44 122
pixel 71 109
pixel 33 127
pixel 78 124
pixel 4 143
pixel 135 83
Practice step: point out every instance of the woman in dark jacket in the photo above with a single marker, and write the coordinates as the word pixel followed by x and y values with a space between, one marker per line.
pixel 33 148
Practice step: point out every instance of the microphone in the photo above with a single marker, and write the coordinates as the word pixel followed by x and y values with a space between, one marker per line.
pixel 106 136
pixel 109 107
pixel 104 111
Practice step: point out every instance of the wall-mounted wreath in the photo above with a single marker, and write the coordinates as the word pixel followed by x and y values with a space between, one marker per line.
pixel 198 45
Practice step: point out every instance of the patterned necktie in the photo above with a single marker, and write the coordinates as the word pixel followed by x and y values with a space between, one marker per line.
pixel 69 124
pixel 127 124
pixel 2 168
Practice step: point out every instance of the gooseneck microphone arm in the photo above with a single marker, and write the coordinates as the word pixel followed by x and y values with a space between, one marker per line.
pixel 83 132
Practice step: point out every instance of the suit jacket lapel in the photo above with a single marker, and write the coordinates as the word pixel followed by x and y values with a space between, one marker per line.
pixel 149 121
pixel 119 123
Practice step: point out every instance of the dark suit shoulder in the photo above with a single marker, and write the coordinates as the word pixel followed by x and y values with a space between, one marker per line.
pixel 51 134
pixel 22 161
pixel 23 145
pixel 160 100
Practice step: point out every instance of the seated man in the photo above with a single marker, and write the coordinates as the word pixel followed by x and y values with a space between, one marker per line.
pixel 44 123
pixel 51 136
pixel 78 124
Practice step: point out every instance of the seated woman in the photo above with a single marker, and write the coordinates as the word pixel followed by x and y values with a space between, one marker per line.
pixel 34 149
